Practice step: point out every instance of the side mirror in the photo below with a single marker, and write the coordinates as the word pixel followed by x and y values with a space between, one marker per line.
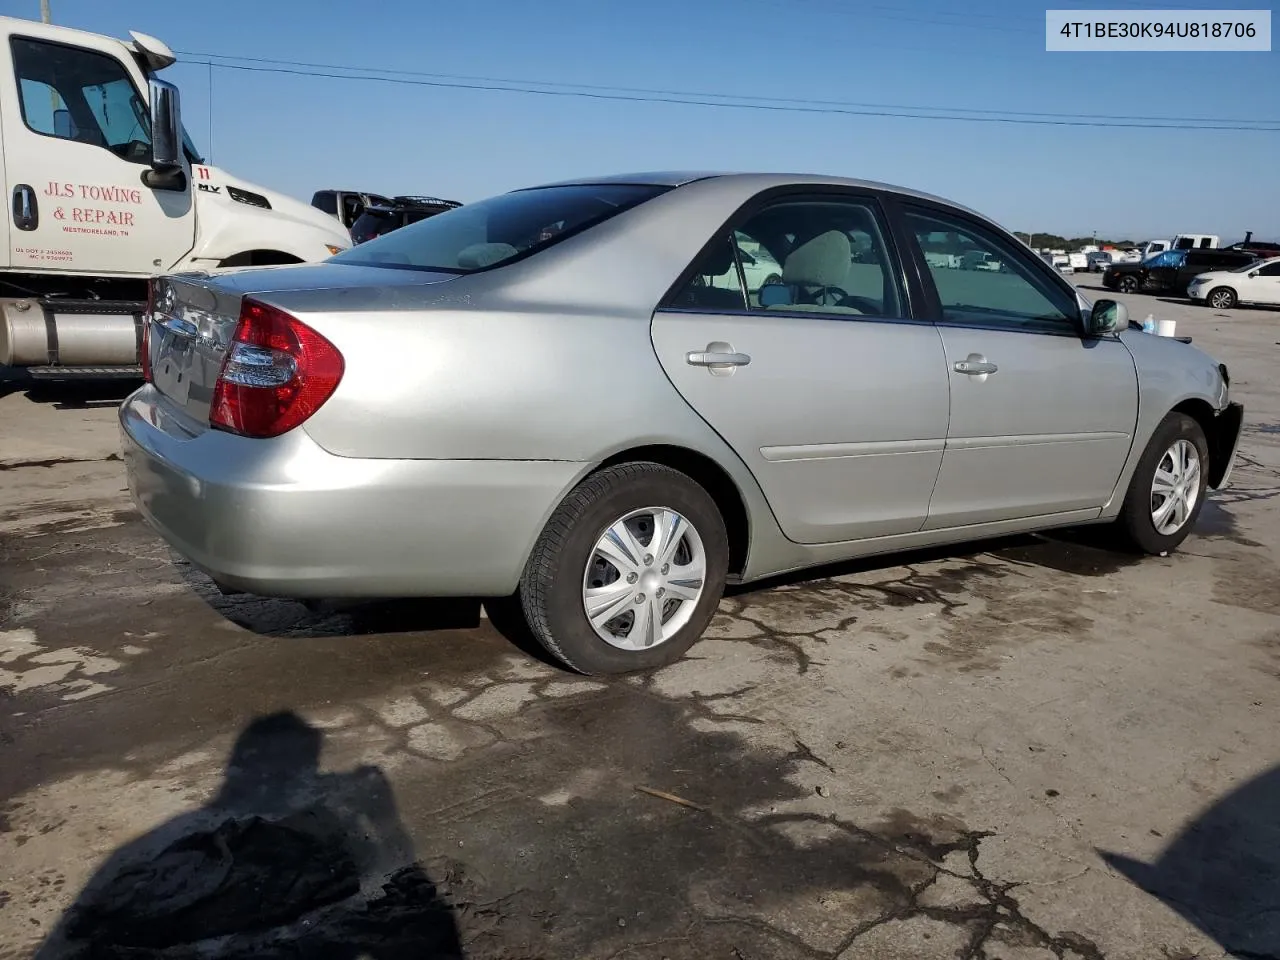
pixel 1107 317
pixel 166 138
pixel 63 125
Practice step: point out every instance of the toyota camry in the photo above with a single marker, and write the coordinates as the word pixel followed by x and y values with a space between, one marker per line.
pixel 573 395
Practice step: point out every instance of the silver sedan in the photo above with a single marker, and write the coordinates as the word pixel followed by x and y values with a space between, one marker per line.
pixel 572 396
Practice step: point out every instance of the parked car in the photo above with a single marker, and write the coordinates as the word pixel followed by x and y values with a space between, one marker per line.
pixel 1256 282
pixel 1099 261
pixel 1171 270
pixel 381 218
pixel 583 422
pixel 1262 248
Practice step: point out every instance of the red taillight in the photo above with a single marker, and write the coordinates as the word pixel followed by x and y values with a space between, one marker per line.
pixel 277 373
pixel 146 330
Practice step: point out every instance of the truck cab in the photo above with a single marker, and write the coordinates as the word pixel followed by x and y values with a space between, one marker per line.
pixel 104 189
pixel 1196 241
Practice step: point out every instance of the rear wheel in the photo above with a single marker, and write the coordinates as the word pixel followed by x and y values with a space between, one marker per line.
pixel 1168 488
pixel 628 572
pixel 1221 298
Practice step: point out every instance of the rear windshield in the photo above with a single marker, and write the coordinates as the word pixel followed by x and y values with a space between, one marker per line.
pixel 496 230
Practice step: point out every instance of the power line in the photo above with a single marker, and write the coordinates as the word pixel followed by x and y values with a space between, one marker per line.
pixel 693 98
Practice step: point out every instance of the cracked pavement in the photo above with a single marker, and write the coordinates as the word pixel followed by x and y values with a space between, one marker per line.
pixel 1024 749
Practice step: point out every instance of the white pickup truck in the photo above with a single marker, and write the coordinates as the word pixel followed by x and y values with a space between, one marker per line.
pixel 104 190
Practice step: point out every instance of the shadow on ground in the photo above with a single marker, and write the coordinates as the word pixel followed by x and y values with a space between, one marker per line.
pixel 283 862
pixel 565 858
pixel 1222 872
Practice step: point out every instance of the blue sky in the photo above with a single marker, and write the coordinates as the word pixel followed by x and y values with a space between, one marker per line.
pixel 301 133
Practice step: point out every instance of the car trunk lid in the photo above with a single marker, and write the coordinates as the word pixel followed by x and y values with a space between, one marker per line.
pixel 193 319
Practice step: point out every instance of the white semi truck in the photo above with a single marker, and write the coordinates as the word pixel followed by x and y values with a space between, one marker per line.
pixel 105 190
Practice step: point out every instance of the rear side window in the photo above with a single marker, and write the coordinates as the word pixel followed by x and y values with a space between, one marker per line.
pixel 820 256
pixel 325 201
pixel 498 230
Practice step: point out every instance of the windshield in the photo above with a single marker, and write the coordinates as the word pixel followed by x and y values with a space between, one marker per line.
pixel 499 229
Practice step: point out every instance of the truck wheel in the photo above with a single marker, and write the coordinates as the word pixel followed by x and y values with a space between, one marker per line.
pixel 1128 284
pixel 628 572
pixel 1221 298
pixel 1167 491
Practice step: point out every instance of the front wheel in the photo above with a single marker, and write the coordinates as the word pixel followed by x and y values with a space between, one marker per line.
pixel 628 572
pixel 1128 284
pixel 1221 298
pixel 1168 488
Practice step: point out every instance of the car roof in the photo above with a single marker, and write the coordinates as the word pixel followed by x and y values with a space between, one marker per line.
pixel 755 181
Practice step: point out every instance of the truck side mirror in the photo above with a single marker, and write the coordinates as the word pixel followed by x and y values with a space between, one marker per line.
pixel 166 171
pixel 63 125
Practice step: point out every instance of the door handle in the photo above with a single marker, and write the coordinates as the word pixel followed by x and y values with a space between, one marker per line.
pixel 712 358
pixel 975 368
pixel 720 359
pixel 26 212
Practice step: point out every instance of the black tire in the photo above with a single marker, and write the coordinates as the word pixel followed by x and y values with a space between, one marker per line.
pixel 551 586
pixel 1225 296
pixel 1135 523
pixel 1127 284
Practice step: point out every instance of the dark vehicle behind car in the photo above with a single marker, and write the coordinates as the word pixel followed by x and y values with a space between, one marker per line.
pixel 346 205
pixel 1171 270
pixel 382 218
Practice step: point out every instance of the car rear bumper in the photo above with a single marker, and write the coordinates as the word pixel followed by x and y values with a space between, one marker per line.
pixel 285 518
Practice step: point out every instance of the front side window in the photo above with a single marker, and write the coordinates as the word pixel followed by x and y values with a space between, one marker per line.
pixel 1270 270
pixel 801 256
pixel 1014 295
pixel 82 95
pixel 494 231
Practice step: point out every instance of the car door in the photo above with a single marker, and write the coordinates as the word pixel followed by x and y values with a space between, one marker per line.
pixel 821 381
pixel 1042 419
pixel 77 140
pixel 1195 263
pixel 1161 272
pixel 1262 285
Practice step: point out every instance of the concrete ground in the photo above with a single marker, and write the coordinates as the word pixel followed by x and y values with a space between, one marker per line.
pixel 1027 749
